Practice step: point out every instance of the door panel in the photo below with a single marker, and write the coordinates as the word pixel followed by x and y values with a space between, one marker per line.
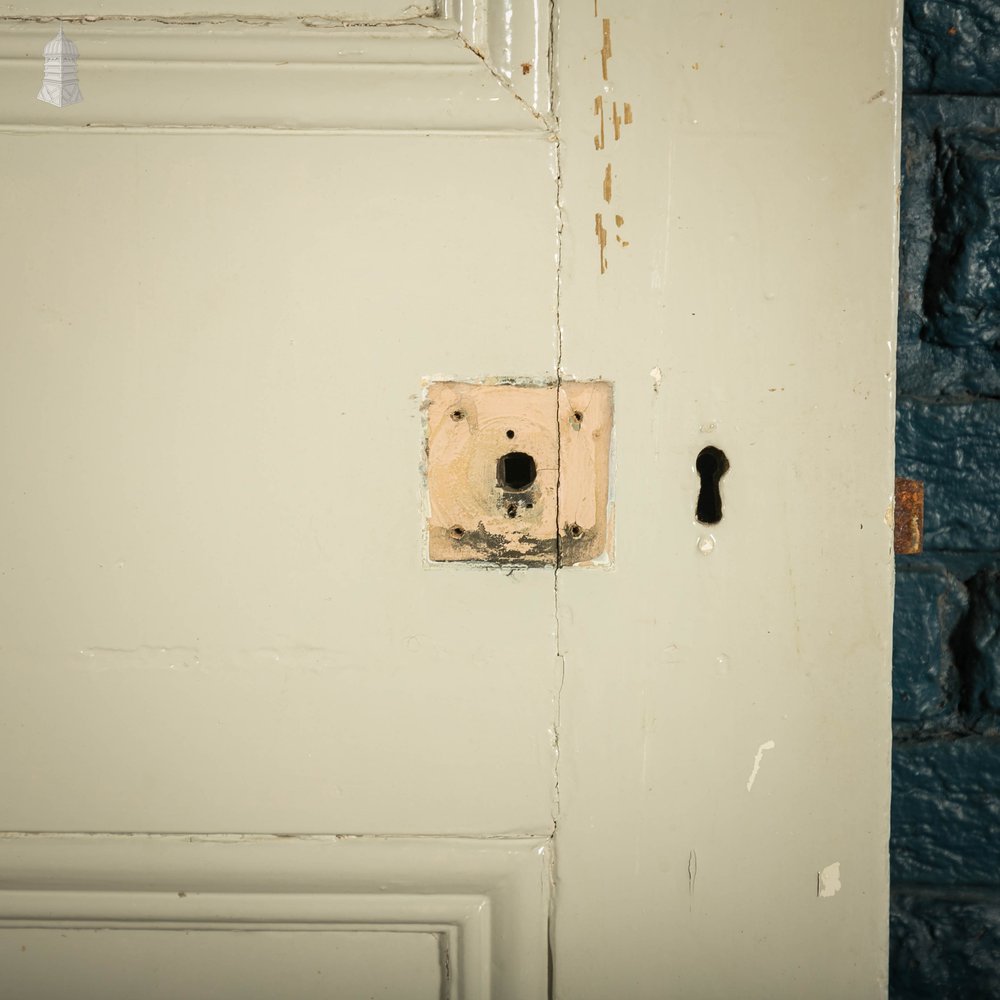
pixel 244 717
pixel 112 964
pixel 215 588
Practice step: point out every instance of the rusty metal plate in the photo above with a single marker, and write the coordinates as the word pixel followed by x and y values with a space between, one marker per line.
pixel 908 526
pixel 518 474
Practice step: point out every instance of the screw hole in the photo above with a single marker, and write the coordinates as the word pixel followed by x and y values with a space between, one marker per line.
pixel 457 415
pixel 575 530
pixel 711 465
pixel 578 416
pixel 510 434
pixel 457 532
pixel 516 471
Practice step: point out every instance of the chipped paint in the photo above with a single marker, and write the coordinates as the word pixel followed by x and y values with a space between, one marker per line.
pixel 828 881
pixel 602 240
pixel 657 376
pixel 606 46
pixel 692 871
pixel 769 745
pixel 599 112
pixel 616 120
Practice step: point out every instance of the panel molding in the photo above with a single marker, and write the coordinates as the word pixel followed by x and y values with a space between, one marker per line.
pixel 479 66
pixel 487 900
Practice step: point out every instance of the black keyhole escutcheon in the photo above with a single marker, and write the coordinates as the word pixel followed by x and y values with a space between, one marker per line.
pixel 711 465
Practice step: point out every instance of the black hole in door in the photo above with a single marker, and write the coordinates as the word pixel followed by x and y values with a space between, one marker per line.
pixel 516 471
pixel 712 465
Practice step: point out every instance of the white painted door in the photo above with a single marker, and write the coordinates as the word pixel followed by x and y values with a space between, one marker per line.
pixel 255 743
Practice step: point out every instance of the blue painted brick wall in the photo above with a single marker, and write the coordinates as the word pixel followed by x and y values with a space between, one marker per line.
pixel 945 849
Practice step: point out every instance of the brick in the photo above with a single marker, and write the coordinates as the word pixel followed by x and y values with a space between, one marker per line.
pixel 949 310
pixel 930 603
pixel 952 447
pixel 946 812
pixel 981 645
pixel 944 947
pixel 951 46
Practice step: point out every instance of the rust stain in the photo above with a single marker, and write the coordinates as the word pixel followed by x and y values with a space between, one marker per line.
pixel 599 112
pixel 628 113
pixel 908 529
pixel 525 68
pixel 607 183
pixel 602 240
pixel 606 48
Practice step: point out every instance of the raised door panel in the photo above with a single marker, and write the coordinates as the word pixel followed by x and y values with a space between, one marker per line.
pixel 218 614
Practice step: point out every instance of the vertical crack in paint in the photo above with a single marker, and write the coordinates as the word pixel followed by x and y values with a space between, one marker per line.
pixel 560 662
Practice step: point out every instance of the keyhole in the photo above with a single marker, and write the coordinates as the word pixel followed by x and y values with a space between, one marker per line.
pixel 712 465
pixel 516 471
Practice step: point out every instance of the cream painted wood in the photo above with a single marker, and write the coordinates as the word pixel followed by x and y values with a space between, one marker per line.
pixel 237 260
pixel 112 963
pixel 406 918
pixel 477 65
pixel 340 10
pixel 724 727
pixel 217 614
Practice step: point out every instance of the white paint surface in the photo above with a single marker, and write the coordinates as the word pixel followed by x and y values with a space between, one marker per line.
pixel 828 881
pixel 758 757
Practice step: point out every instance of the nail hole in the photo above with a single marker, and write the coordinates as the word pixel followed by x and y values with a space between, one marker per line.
pixel 457 532
pixel 575 530
pixel 712 465
pixel 516 471
pixel 457 415
pixel 512 510
pixel 510 434
pixel 578 416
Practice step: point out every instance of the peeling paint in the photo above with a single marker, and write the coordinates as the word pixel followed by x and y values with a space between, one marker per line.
pixel 828 881
pixel 769 745
pixel 602 240
pixel 599 112
pixel 606 47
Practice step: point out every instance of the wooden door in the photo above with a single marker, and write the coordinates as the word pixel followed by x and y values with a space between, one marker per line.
pixel 256 742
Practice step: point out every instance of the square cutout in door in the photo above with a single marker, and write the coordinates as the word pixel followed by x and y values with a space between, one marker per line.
pixel 518 474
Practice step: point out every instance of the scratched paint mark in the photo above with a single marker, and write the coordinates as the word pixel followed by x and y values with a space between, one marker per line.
pixel 606 48
pixel 599 112
pixel 616 120
pixel 595 8
pixel 769 745
pixel 607 183
pixel 692 871
pixel 628 113
pixel 602 241
pixel 656 374
pixel 828 881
